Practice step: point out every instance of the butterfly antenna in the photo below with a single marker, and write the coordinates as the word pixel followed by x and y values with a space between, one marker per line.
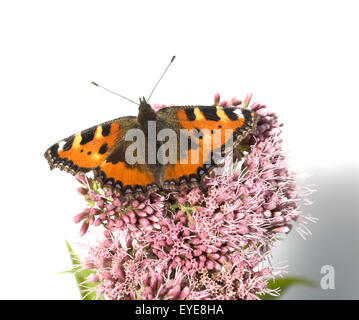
pixel 117 94
pixel 164 72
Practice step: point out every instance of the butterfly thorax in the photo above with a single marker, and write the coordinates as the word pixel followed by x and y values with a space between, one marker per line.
pixel 145 114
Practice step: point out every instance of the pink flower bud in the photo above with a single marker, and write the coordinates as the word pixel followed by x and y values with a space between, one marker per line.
pixel 236 102
pixel 153 219
pixel 110 223
pixel 82 191
pixel 91 220
pixel 148 210
pixel 93 278
pixel 144 222
pixel 107 275
pixel 94 211
pixel 133 220
pixel 202 258
pixel 107 234
pixel 111 213
pixel 156 226
pixel 174 292
pixel 118 272
pixel 100 203
pixel 271 205
pixel 125 218
pixel 110 207
pixel 81 178
pixel 79 217
pixel 108 193
pixel 84 228
pixel 158 206
pixel 141 214
pixel 184 293
pixel 247 100
pixel 130 213
pixel 134 204
pixel 209 265
pixel 214 256
pixel 118 222
pixel 141 206
pixel 217 99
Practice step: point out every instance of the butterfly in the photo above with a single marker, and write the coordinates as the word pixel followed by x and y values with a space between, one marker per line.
pixel 102 149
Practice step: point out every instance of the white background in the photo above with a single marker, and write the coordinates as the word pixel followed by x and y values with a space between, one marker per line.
pixel 298 57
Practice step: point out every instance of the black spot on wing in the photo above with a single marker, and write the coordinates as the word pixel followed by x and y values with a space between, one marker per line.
pixel 210 113
pixel 88 135
pixel 103 149
pixel 106 129
pixel 68 145
pixel 190 114
pixel 230 114
pixel 117 155
pixel 198 133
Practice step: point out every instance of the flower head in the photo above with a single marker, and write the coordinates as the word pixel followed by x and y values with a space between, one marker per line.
pixel 209 242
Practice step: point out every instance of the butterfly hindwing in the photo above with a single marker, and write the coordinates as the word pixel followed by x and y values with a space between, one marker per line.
pixel 130 179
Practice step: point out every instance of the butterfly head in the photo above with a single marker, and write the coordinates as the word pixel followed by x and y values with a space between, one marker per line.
pixel 145 113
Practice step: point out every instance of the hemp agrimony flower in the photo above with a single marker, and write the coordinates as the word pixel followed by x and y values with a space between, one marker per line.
pixel 209 242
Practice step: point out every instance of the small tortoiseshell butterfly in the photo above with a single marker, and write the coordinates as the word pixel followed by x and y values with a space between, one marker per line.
pixel 102 148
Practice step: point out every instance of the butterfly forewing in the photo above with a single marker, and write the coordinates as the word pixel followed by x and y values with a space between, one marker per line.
pixel 211 129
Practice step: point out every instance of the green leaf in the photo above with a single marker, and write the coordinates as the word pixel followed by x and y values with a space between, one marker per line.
pixel 284 284
pixel 86 289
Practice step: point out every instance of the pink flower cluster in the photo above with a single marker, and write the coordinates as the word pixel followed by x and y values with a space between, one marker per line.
pixel 206 243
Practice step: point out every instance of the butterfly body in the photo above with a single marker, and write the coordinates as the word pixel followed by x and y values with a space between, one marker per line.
pixel 104 148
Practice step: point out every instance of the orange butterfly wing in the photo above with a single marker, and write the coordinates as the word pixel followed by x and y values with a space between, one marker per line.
pixel 102 149
pixel 85 150
pixel 215 125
